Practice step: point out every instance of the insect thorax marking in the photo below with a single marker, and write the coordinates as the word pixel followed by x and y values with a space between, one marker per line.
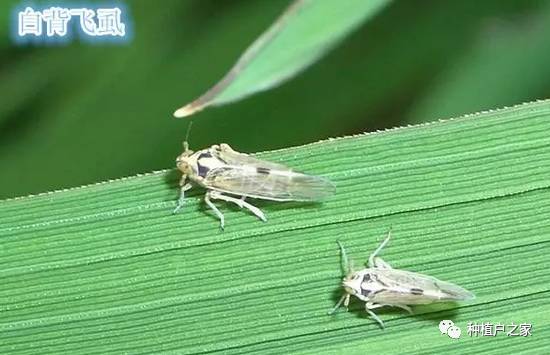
pixel 371 285
pixel 208 160
pixel 365 292
pixel 202 166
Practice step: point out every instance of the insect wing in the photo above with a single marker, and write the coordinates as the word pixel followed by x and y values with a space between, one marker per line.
pixel 247 176
pixel 405 287
pixel 454 292
pixel 233 158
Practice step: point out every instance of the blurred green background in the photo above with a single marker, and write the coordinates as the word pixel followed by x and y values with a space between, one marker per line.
pixel 81 113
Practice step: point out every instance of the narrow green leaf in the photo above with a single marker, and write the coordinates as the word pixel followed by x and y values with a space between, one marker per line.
pixel 303 33
pixel 108 269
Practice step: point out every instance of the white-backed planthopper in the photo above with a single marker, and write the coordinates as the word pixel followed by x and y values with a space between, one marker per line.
pixel 233 177
pixel 380 285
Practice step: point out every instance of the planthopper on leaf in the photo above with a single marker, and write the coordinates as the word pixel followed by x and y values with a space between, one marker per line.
pixel 380 285
pixel 232 176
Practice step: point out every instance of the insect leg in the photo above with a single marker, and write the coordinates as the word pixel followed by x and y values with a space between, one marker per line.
pixel 381 264
pixel 347 266
pixel 181 200
pixel 369 306
pixel 226 148
pixel 377 251
pixel 214 208
pixel 344 299
pixel 402 306
pixel 239 202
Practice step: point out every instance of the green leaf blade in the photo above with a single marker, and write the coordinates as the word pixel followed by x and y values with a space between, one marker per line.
pixel 107 268
pixel 306 31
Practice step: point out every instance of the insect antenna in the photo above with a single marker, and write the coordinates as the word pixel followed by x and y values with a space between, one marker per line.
pixel 186 141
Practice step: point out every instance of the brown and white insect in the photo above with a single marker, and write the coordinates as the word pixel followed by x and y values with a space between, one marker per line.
pixel 379 285
pixel 232 176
